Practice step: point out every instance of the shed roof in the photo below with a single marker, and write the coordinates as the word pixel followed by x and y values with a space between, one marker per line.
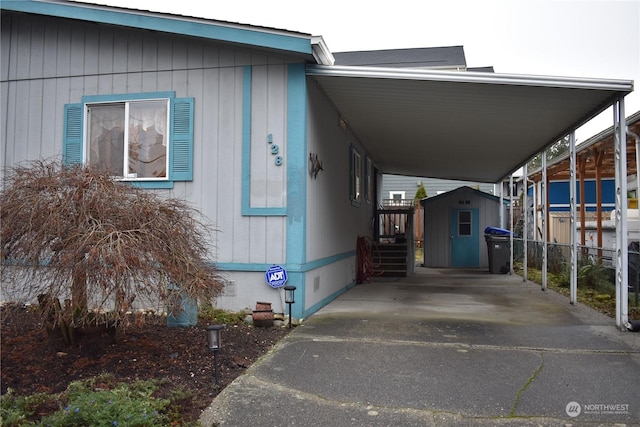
pixel 460 190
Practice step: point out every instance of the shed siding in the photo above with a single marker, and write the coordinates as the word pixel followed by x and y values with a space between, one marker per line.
pixel 437 247
pixel 437 224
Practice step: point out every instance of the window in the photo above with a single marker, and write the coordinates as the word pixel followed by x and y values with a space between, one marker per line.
pixel 396 198
pixel 464 223
pixel 369 181
pixel 129 139
pixel 356 177
pixel 145 138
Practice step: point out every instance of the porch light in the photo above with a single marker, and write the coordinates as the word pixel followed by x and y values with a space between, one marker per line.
pixel 289 298
pixel 215 344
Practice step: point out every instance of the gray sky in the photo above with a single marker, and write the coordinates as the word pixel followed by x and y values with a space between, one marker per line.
pixel 573 38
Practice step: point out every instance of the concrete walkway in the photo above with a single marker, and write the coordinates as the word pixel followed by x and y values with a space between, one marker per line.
pixel 443 348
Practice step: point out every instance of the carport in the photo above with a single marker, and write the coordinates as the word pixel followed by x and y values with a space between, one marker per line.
pixel 477 126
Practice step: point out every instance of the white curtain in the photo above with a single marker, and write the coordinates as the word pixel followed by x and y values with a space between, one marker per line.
pixel 148 139
pixel 106 137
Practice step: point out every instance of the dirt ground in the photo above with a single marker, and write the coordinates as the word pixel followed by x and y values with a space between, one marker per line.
pixel 34 360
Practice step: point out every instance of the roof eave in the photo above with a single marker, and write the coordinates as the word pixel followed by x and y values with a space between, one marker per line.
pixel 260 37
pixel 616 85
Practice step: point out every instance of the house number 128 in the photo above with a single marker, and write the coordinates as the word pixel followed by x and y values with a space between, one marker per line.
pixel 275 150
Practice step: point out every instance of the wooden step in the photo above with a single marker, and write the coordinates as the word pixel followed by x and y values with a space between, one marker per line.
pixel 390 259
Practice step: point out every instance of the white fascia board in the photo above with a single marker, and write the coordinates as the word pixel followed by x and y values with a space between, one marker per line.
pixel 622 86
pixel 321 52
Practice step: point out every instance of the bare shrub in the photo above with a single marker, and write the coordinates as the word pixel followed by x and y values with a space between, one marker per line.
pixel 83 243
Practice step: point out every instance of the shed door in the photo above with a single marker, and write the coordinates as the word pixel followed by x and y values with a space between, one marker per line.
pixel 465 238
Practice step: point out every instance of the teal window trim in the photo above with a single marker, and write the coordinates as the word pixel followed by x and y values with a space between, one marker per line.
pixel 123 97
pixel 181 134
pixel 246 208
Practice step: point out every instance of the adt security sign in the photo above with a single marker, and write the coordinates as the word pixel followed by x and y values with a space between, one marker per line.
pixel 276 276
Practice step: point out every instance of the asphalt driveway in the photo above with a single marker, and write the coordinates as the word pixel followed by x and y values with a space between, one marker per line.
pixel 443 347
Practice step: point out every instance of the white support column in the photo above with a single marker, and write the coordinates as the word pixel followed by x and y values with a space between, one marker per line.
pixel 501 212
pixel 543 219
pixel 511 221
pixel 622 254
pixel 525 222
pixel 573 281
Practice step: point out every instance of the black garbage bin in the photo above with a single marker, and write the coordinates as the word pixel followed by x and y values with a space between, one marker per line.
pixel 499 249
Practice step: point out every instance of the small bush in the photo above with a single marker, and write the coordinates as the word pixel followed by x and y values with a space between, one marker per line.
pixel 124 405
pixel 16 410
pixel 98 401
pixel 211 314
pixel 594 276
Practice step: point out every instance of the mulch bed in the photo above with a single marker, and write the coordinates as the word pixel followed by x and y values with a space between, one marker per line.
pixel 34 360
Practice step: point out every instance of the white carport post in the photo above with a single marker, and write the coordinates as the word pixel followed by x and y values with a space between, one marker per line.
pixel 525 222
pixel 573 273
pixel 511 221
pixel 501 210
pixel 622 255
pixel 543 221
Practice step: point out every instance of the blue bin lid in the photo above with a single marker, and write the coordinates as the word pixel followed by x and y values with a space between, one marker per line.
pixel 498 231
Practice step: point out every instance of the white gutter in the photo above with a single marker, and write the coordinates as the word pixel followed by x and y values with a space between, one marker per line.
pixel 625 86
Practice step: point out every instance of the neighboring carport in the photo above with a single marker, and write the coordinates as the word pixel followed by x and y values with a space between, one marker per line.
pixel 473 126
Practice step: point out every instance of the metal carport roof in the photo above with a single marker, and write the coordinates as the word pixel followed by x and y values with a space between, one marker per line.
pixel 471 126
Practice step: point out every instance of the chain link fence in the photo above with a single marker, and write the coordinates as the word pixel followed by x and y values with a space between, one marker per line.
pixel 596 266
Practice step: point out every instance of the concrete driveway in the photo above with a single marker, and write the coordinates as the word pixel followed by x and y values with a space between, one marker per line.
pixel 443 347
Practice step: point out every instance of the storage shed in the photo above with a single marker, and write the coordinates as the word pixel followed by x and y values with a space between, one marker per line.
pixel 454 224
